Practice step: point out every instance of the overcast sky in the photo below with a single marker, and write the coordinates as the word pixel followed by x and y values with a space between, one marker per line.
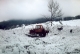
pixel 30 9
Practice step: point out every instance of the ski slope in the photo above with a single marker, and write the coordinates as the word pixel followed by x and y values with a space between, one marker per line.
pixel 15 41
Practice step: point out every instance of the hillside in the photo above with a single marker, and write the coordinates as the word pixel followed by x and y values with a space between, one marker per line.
pixel 15 41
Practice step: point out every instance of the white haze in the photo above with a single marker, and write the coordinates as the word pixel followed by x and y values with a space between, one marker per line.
pixel 31 9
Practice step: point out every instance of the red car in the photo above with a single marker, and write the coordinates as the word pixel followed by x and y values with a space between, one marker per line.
pixel 39 30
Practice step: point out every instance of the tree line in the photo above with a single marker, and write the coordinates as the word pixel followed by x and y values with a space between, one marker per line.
pixel 10 24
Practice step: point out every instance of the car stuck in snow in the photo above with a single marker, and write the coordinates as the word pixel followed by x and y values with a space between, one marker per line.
pixel 38 31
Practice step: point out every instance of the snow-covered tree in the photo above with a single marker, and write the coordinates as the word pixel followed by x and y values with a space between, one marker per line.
pixel 54 9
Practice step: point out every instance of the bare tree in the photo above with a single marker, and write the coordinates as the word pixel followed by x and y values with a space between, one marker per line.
pixel 54 9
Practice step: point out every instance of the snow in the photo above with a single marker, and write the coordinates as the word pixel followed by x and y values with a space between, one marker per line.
pixel 14 41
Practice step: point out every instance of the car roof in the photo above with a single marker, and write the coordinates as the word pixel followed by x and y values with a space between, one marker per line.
pixel 38 25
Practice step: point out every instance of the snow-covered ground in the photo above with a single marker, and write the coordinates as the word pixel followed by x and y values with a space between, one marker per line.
pixel 15 41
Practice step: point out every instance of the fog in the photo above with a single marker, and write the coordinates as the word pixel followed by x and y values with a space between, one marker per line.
pixel 31 9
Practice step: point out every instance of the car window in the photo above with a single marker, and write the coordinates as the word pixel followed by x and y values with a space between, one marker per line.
pixel 37 26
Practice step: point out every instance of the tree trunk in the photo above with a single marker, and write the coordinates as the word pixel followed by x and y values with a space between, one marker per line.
pixel 51 17
pixel 51 23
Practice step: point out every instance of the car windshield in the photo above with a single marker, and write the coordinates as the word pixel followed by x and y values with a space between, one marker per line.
pixel 37 26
